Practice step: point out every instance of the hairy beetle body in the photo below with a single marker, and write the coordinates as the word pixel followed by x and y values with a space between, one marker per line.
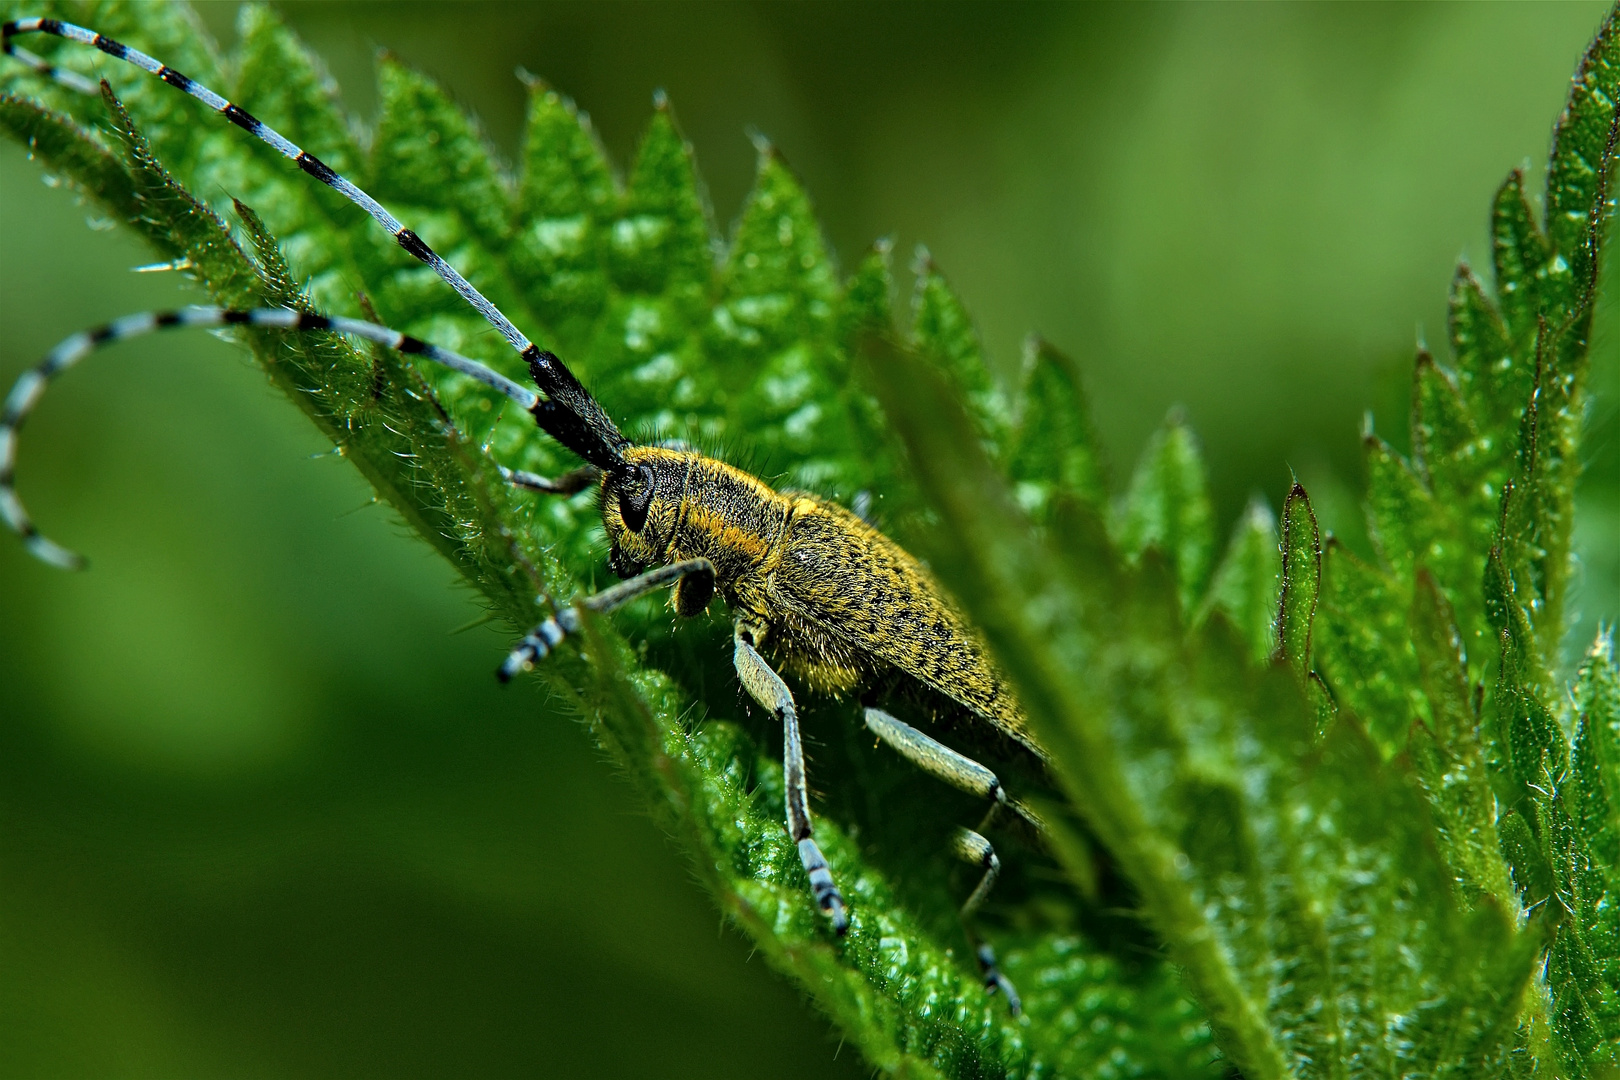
pixel 836 602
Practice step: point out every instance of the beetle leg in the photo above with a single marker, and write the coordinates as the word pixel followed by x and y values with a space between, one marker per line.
pixel 767 688
pixel 975 850
pixel 934 757
pixel 569 483
pixel 960 771
pixel 549 634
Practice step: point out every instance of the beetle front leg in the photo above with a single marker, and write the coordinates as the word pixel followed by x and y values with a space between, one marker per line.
pixel 767 688
pixel 570 483
pixel 539 642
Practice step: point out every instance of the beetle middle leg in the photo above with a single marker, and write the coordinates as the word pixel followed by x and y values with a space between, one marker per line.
pixel 960 771
pixel 767 688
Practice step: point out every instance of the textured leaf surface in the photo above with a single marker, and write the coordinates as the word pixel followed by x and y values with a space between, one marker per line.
pixel 1312 815
pixel 746 349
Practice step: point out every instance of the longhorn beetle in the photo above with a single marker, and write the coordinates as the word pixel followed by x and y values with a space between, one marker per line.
pixel 834 602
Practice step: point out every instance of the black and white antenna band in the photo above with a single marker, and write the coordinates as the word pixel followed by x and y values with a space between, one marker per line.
pixel 30 386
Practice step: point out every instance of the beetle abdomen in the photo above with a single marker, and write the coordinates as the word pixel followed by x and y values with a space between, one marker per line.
pixel 851 585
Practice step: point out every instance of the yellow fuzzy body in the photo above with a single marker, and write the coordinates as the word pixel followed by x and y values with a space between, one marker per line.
pixel 836 603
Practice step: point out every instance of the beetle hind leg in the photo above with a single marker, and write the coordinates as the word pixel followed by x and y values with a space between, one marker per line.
pixel 962 772
pixel 973 849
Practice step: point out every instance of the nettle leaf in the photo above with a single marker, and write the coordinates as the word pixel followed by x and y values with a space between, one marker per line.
pixel 1447 756
pixel 1364 646
pixel 1451 646
pixel 1246 587
pixel 1167 508
pixel 1290 876
pixel 1054 454
pixel 1310 815
pixel 742 344
pixel 944 332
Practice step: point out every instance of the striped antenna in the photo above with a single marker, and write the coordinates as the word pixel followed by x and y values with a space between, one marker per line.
pixel 549 373
pixel 30 386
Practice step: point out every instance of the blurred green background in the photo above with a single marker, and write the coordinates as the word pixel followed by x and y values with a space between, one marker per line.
pixel 263 814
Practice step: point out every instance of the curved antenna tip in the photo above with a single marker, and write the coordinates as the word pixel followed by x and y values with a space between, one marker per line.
pixel 50 551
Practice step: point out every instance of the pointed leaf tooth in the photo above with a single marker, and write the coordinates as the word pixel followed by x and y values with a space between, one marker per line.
pixel 868 301
pixel 1464 476
pixel 565 206
pixel 565 169
pixel 1537 752
pixel 1401 516
pixel 1520 254
pixel 1597 701
pixel 1167 508
pixel 779 249
pixel 1578 170
pixel 282 82
pixel 944 332
pixel 866 312
pixel 1445 445
pixel 1594 798
pixel 778 285
pixel 1055 450
pixel 663 242
pixel 1464 809
pixel 1247 584
pixel 1595 804
pixel 1454 772
pixel 1301 580
pixel 433 168
pixel 1363 647
pixel 1442 666
pixel 773 330
pixel 1596 778
pixel 649 360
pixel 428 153
pixel 1578 1005
pixel 1531 874
pixel 1494 378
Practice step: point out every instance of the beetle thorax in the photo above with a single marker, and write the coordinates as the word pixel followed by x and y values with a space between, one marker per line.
pixel 670 505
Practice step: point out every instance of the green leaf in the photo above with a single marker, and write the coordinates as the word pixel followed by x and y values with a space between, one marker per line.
pixel 774 329
pixel 1363 646
pixel 1167 508
pixel 1249 873
pixel 1247 585
pixel 1203 777
pixel 1301 580
pixel 630 279
pixel 1448 759
pixel 1520 255
pixel 944 332
pixel 1055 453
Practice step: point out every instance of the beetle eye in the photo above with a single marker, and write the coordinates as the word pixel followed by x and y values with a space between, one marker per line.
pixel 635 499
